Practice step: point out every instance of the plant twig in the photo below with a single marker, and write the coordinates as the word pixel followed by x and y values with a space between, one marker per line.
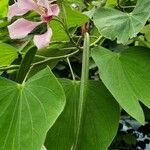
pixel 6 68
pixel 123 7
pixel 53 58
pixel 97 41
pixel 46 59
pixel 71 70
pixel 59 42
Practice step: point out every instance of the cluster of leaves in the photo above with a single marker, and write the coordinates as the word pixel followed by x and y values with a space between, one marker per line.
pixel 78 109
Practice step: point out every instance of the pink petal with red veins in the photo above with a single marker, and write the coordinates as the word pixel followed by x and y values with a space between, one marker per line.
pixel 14 10
pixel 21 28
pixel 55 9
pixel 43 40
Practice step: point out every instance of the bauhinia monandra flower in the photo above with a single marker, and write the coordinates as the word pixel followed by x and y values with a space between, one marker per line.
pixel 22 27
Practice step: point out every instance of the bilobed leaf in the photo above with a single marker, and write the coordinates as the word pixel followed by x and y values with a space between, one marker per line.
pixel 114 24
pixel 127 76
pixel 7 54
pixel 101 119
pixel 28 110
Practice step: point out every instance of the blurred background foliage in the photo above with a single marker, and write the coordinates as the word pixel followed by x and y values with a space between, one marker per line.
pixel 131 135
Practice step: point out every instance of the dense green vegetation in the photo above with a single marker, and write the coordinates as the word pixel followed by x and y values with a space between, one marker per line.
pixel 71 71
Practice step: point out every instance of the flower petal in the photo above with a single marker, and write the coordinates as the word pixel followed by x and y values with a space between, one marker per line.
pixel 14 10
pixel 21 28
pixel 27 4
pixel 55 9
pixel 45 4
pixel 43 40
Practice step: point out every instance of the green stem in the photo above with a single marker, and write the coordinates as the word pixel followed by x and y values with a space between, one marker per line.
pixel 71 70
pixel 66 48
pixel 83 90
pixel 52 58
pixel 37 56
pixel 6 68
pixel 123 7
pixel 100 38
pixel 46 59
pixel 59 42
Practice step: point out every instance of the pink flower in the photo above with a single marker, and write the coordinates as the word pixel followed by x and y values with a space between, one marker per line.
pixel 22 27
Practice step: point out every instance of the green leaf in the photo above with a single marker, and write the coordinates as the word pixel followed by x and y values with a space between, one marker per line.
pixel 28 110
pixel 77 2
pixel 126 74
pixel 7 54
pixel 111 2
pixel 101 119
pixel 146 32
pixel 58 36
pixel 74 17
pixel 25 65
pixel 3 8
pixel 114 24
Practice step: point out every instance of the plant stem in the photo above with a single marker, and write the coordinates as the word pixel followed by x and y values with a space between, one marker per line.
pixel 123 7
pixel 83 91
pixel 59 42
pixel 37 56
pixel 46 59
pixel 52 58
pixel 97 41
pixel 67 48
pixel 71 70
pixel 27 74
pixel 6 68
